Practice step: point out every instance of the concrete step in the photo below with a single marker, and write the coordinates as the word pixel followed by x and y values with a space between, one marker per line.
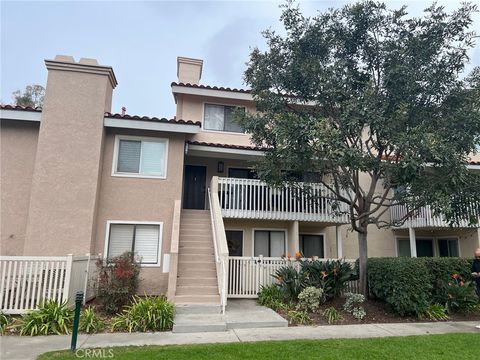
pixel 192 272
pixel 198 309
pixel 206 220
pixel 191 323
pixel 195 211
pixel 196 257
pixel 195 229
pixel 197 290
pixel 197 299
pixel 196 265
pixel 196 250
pixel 197 281
pixel 196 237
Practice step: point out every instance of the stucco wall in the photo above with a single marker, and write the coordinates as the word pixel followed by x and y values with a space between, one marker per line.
pixel 140 199
pixel 18 148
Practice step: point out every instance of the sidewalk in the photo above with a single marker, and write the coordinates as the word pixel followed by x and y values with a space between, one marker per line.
pixel 16 347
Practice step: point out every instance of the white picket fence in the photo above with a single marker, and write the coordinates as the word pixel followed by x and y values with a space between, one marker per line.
pixel 26 281
pixel 247 275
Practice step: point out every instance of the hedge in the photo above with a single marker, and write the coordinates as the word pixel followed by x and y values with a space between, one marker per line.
pixel 410 285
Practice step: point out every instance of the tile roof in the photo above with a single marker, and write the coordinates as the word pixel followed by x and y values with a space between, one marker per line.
pixel 227 146
pixel 20 108
pixel 153 119
pixel 208 87
pixel 474 162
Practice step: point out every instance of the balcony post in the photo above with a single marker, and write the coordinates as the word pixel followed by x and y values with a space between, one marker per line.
pixel 293 242
pixel 413 242
pixel 339 242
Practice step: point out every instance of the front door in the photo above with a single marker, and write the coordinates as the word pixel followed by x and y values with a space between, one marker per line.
pixel 194 187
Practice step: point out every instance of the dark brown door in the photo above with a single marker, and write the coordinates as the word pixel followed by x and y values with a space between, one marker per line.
pixel 194 187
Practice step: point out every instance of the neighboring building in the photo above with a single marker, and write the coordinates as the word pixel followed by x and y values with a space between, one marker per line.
pixel 77 179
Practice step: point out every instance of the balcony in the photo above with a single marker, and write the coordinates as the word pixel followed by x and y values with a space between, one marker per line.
pixel 425 218
pixel 254 199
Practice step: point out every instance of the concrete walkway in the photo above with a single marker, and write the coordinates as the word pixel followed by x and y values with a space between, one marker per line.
pixel 16 347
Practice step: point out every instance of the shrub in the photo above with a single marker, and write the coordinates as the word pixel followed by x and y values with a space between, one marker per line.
pixel 270 296
pixel 411 285
pixel 147 313
pixel 90 322
pixel 49 318
pixel 352 301
pixel 331 275
pixel 332 315
pixel 435 312
pixel 310 298
pixel 290 282
pixel 3 322
pixel 405 284
pixel 359 313
pixel 118 281
pixel 299 317
pixel 460 295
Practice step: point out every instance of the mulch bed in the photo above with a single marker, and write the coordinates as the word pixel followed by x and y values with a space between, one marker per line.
pixel 377 313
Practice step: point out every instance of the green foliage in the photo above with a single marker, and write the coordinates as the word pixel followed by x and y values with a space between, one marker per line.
pixel 90 322
pixel 4 320
pixel 299 317
pixel 118 282
pixel 332 315
pixel 270 296
pixel 460 295
pixel 32 96
pixel 310 299
pixel 359 313
pixel 50 318
pixel 405 284
pixel 331 275
pixel 353 300
pixel 148 313
pixel 290 281
pixel 435 312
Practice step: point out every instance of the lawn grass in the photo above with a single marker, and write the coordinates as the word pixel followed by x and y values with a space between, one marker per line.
pixel 447 346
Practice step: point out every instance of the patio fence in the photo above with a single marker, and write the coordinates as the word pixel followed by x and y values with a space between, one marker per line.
pixel 247 275
pixel 26 281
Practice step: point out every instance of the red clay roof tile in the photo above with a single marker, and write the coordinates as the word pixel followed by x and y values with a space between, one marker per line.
pixel 20 108
pixel 154 119
pixel 227 146
pixel 208 87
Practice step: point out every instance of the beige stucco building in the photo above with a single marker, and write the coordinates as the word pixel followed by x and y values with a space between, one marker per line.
pixel 77 179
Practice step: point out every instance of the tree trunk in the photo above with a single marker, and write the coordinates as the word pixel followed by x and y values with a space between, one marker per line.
pixel 362 259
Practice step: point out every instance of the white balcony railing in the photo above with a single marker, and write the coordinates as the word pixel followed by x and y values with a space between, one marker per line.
pixel 254 199
pixel 423 218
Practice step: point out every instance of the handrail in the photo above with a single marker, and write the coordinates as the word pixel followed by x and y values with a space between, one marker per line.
pixel 172 271
pixel 219 244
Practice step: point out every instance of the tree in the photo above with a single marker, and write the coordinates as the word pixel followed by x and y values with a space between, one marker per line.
pixel 33 96
pixel 375 103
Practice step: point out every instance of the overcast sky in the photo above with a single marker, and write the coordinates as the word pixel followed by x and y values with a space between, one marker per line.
pixel 141 41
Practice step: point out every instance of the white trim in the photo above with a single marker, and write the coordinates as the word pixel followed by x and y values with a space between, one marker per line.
pixel 176 89
pixel 138 138
pixel 243 238
pixel 220 131
pixel 473 167
pixel 223 150
pixel 323 233
pixel 160 237
pixel 285 242
pixel 6 114
pixel 151 125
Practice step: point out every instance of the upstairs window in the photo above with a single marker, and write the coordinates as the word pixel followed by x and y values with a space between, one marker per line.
pixel 220 118
pixel 142 157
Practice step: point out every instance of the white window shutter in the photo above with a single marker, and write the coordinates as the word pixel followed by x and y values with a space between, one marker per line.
pixel 121 238
pixel 147 243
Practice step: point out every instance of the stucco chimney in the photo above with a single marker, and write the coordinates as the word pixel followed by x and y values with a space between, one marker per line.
pixel 189 70
pixel 64 192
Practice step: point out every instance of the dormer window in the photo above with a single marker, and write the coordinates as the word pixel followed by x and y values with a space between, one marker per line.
pixel 220 118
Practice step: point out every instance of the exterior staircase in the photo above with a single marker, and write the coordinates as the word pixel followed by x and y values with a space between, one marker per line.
pixel 197 276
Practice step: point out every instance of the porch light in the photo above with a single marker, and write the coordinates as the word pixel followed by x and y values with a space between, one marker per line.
pixel 220 167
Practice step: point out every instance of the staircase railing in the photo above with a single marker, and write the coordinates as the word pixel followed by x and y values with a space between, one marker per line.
pixel 172 273
pixel 219 242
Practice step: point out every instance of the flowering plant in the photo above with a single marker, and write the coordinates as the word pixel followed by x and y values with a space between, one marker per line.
pixel 460 295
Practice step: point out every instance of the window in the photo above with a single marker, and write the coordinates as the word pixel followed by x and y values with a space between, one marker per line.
pixel 142 239
pixel 312 245
pixel 424 247
pixel 448 247
pixel 269 243
pixel 140 157
pixel 220 118
pixel 234 242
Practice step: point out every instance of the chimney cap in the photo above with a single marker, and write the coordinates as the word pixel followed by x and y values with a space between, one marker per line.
pixel 192 62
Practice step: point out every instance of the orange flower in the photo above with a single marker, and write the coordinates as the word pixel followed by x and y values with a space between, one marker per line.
pixel 323 274
pixel 298 255
pixel 334 270
pixel 462 283
pixel 450 296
